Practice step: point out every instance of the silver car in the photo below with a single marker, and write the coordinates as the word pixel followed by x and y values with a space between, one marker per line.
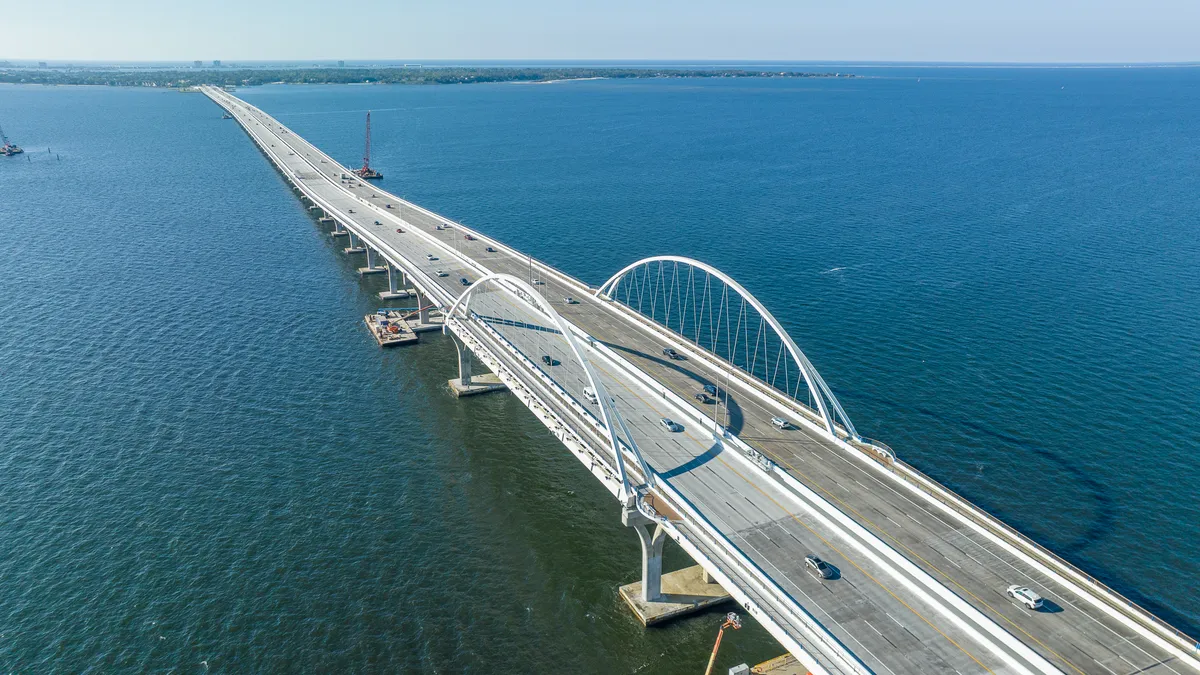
pixel 670 425
pixel 817 567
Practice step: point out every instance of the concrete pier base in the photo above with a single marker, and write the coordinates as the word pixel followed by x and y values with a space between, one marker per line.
pixel 354 249
pixel 397 295
pixel 480 384
pixel 684 592
pixel 364 271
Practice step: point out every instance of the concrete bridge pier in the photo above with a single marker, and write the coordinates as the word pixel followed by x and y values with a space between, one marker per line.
pixel 397 284
pixel 659 597
pixel 356 244
pixel 467 383
pixel 338 229
pixel 373 266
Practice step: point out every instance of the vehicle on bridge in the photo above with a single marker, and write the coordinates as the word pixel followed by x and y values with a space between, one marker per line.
pixel 670 353
pixel 703 398
pixel 442 273
pixel 469 237
pixel 671 425
pixel 590 395
pixel 490 249
pixel 1026 597
pixel 819 568
pixel 399 230
pixel 780 423
pixel 570 301
pixel 430 256
pixel 464 281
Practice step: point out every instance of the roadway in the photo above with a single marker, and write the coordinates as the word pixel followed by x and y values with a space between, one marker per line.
pixel 939 607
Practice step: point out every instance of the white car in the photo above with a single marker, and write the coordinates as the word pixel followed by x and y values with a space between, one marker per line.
pixel 670 425
pixel 431 257
pixel 780 423
pixel 1025 596
pixel 442 273
pixel 570 301
pixel 538 282
pixel 590 394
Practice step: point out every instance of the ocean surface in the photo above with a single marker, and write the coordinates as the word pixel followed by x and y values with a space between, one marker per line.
pixel 207 465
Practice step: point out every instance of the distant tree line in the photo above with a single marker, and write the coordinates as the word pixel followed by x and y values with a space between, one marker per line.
pixel 435 75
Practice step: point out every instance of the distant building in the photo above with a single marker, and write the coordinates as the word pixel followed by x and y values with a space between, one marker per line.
pixel 216 63
pixel 341 64
pixel 42 64
pixel 197 64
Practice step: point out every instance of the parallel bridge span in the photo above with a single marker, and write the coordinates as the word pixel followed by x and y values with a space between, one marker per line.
pixel 922 572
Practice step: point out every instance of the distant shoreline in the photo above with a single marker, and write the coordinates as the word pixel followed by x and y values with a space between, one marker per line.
pixel 248 77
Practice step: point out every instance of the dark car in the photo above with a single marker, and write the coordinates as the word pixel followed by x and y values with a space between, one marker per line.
pixel 703 397
pixel 490 249
pixel 547 360
pixel 464 281
pixel 672 354
pixel 711 390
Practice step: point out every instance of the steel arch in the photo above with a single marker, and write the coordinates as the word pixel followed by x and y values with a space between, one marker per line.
pixel 827 403
pixel 608 411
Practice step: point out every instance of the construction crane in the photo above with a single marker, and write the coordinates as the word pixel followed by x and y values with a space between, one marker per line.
pixel 8 149
pixel 731 621
pixel 366 171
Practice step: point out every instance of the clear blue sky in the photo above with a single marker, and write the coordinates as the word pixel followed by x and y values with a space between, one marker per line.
pixel 899 30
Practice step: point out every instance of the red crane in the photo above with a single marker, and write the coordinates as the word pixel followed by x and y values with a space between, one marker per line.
pixel 366 171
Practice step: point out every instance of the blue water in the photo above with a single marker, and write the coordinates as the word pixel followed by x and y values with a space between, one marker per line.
pixel 206 459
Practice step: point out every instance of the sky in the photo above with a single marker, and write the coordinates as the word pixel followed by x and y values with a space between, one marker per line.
pixel 774 30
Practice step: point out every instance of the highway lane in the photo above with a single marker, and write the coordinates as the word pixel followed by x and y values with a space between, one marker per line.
pixel 1078 639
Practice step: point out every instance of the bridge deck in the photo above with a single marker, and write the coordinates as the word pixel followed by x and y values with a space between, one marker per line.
pixel 891 618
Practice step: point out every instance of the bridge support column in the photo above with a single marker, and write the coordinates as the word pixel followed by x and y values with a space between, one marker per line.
pixel 652 536
pixel 356 244
pixel 659 597
pixel 397 284
pixel 373 266
pixel 338 230
pixel 467 384
pixel 423 305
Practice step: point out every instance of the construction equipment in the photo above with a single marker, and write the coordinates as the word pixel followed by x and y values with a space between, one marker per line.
pixel 366 171
pixel 731 621
pixel 8 149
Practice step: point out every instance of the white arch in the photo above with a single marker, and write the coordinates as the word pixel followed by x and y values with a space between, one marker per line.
pixel 608 412
pixel 816 384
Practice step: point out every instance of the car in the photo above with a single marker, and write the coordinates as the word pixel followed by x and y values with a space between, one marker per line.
pixel 818 567
pixel 490 249
pixel 399 230
pixel 1026 597
pixel 439 227
pixel 670 353
pixel 702 397
pixel 351 210
pixel 442 273
pixel 378 223
pixel 430 256
pixel 538 282
pixel 590 394
pixel 670 425
pixel 469 237
pixel 388 205
pixel 780 423
pixel 570 301
pixel 547 360
pixel 711 390
pixel 464 281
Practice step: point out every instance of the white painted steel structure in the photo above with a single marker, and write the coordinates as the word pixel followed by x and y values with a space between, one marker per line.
pixel 745 503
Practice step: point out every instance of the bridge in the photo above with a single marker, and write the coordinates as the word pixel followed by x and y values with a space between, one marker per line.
pixel 759 464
